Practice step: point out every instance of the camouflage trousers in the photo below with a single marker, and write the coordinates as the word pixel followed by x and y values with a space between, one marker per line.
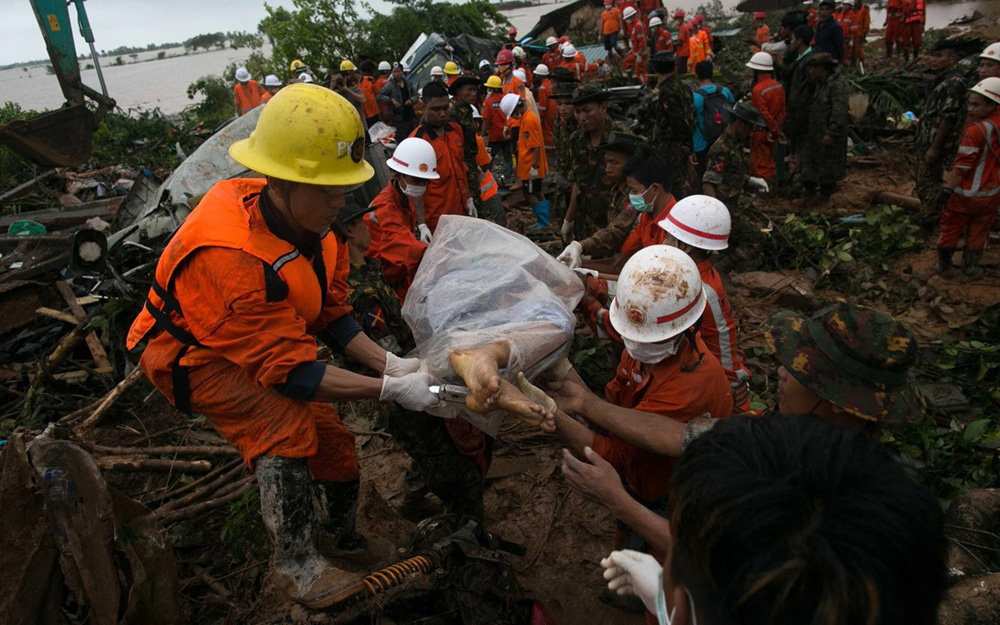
pixel 437 463
pixel 680 173
pixel 928 187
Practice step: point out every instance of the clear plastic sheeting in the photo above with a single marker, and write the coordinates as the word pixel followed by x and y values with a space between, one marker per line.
pixel 479 283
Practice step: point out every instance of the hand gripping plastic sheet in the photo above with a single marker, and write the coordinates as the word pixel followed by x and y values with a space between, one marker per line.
pixel 479 283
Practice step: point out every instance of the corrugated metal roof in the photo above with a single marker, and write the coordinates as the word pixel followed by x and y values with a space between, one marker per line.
pixel 593 53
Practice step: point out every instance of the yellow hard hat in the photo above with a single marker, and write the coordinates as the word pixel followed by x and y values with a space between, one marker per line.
pixel 307 134
pixel 451 68
pixel 297 66
pixel 347 66
pixel 493 82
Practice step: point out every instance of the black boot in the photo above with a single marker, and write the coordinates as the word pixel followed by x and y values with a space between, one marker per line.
pixel 337 508
pixel 286 503
pixel 970 263
pixel 944 267
pixel 888 50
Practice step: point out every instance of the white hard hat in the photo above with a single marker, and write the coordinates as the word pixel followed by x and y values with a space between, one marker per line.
pixel 305 77
pixel 628 13
pixel 437 71
pixel 242 74
pixel 520 74
pixel 384 66
pixel 551 41
pixel 484 63
pixel 992 52
pixel 271 81
pixel 655 21
pixel 569 51
pixel 699 220
pixel 518 52
pixel 659 295
pixel 414 157
pixel 475 112
pixel 542 69
pixel 508 103
pixel 989 88
pixel 761 61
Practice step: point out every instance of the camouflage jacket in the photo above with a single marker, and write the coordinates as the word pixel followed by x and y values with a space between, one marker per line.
pixel 673 117
pixel 727 167
pixel 563 131
pixel 586 171
pixel 377 309
pixel 608 241
pixel 945 102
pixel 462 115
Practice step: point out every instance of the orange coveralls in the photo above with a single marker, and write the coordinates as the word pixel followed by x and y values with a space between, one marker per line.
pixel 762 36
pixel 663 40
pixel 973 205
pixel 768 97
pixel 862 24
pixel 530 139
pixel 683 49
pixel 231 314
pixel 247 95
pixel 894 22
pixel 547 110
pixel 718 330
pixel 913 24
pixel 391 226
pixel 447 194
pixel 639 56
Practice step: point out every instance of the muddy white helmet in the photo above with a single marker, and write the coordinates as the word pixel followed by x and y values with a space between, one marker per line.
pixel 414 157
pixel 659 295
pixel 761 61
pixel 508 103
pixel 699 220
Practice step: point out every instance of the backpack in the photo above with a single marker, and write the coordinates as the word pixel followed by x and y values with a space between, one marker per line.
pixel 714 116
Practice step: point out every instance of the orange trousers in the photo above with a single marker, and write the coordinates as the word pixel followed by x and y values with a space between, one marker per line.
pixel 894 30
pixel 639 63
pixel 913 35
pixel 762 156
pixel 260 422
pixel 953 224
pixel 859 48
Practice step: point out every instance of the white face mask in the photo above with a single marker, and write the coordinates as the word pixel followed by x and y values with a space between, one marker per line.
pixel 652 353
pixel 412 190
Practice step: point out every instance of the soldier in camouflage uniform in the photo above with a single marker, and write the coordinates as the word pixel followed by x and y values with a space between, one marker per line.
pixel 438 466
pixel 464 92
pixel 671 112
pixel 824 159
pixel 847 364
pixel 591 196
pixel 941 122
pixel 727 170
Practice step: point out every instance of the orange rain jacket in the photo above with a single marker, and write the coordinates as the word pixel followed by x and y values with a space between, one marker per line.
pixel 447 194
pixel 370 107
pixel 768 97
pixel 247 95
pixel 392 225
pixel 531 138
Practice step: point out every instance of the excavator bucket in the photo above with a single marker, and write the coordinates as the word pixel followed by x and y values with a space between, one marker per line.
pixel 59 138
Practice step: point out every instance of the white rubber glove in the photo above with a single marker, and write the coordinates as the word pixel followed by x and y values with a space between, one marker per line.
pixel 632 573
pixel 533 174
pixel 424 233
pixel 411 391
pixel 758 183
pixel 396 367
pixel 572 256
pixel 470 208
pixel 566 230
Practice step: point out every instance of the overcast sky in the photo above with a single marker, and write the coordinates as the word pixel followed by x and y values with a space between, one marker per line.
pixel 134 23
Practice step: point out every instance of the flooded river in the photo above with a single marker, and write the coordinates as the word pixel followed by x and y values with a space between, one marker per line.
pixel 162 83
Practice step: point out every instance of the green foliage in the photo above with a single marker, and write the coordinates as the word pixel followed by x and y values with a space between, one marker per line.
pixel 243 532
pixel 318 32
pixel 595 361
pixel 891 92
pixel 206 41
pixel 243 39
pixel 217 105
pixel 139 138
pixel 14 169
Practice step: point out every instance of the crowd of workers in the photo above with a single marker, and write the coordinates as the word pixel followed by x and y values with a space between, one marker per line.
pixel 728 518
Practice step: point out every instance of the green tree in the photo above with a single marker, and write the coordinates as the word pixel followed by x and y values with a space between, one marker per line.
pixel 243 39
pixel 319 32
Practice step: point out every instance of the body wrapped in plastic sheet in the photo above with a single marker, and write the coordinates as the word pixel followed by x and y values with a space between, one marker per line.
pixel 481 284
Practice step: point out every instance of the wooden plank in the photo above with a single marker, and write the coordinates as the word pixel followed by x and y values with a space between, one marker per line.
pixel 57 218
pixel 56 314
pixel 93 343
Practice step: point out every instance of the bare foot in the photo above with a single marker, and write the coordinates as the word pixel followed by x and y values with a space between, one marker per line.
pixel 516 403
pixel 479 369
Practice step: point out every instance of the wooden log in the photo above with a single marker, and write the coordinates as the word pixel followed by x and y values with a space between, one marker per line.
pixel 113 396
pixel 905 201
pixel 195 510
pixel 62 351
pixel 122 463
pixel 93 343
pixel 64 217
pixel 10 242
pixel 45 311
pixel 204 490
pixel 193 450
pixel 23 188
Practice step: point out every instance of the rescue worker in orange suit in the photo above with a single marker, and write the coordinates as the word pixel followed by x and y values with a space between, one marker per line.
pixel 271 86
pixel 639 56
pixel 768 97
pixel 239 293
pixel 398 239
pixel 913 27
pixel 547 108
pixel 683 48
pixel 495 122
pixel 552 58
pixel 247 93
pixel 371 107
pixel 971 192
pixel 893 26
pixel 665 369
pixel 662 40
pixel 574 61
pixel 704 33
pixel 531 164
pixel 449 193
pixel 762 32
pixel 384 75
pixel 611 27
pixel 862 24
pixel 700 225
pixel 505 69
pixel 648 6
pixel 844 14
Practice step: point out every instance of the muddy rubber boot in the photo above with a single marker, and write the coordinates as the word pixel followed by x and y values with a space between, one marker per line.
pixel 970 263
pixel 338 537
pixel 286 503
pixel 944 267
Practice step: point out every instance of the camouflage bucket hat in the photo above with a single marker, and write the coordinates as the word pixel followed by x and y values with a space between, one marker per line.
pixel 856 358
